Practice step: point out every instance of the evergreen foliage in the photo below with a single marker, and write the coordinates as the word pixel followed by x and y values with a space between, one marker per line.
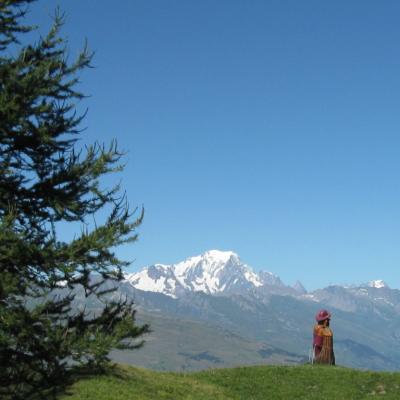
pixel 46 182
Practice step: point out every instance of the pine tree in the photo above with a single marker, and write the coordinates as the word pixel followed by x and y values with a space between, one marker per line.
pixel 45 181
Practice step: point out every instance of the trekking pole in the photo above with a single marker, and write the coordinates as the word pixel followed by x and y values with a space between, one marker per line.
pixel 313 355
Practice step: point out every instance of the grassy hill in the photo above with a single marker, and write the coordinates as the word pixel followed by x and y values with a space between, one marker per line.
pixel 182 345
pixel 247 383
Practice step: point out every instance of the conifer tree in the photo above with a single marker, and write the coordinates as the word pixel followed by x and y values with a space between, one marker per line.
pixel 46 181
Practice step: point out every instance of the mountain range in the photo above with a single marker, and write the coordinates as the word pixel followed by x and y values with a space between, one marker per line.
pixel 213 310
pixel 223 273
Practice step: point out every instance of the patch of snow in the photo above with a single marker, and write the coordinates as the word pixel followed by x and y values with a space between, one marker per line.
pixel 142 281
pixel 377 284
pixel 220 256
pixel 311 297
pixel 171 283
pixel 252 278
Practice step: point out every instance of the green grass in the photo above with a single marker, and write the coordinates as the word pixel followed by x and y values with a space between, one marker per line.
pixel 247 383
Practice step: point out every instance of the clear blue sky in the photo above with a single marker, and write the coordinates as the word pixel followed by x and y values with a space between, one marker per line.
pixel 270 128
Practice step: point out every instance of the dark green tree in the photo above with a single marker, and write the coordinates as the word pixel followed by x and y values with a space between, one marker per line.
pixel 45 181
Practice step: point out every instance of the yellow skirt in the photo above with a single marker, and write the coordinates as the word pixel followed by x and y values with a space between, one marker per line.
pixel 326 356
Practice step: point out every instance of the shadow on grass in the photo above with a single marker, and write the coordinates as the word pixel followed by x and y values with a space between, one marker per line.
pixel 79 373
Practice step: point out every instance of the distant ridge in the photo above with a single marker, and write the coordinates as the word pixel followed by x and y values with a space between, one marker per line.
pixel 217 272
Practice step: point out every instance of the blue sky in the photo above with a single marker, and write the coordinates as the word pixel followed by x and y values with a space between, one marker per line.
pixel 270 128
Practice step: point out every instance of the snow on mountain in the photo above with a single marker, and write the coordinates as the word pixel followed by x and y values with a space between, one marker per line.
pixel 222 272
pixel 268 278
pixel 212 272
pixel 377 284
pixel 156 278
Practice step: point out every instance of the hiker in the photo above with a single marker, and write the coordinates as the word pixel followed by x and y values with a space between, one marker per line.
pixel 323 339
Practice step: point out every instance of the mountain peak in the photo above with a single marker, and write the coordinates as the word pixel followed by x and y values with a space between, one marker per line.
pixel 379 283
pixel 219 255
pixel 212 272
pixel 298 286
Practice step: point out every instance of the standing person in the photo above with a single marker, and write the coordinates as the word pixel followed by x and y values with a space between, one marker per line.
pixel 323 339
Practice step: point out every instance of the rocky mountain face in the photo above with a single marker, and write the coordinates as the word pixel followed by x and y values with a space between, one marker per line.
pixel 214 272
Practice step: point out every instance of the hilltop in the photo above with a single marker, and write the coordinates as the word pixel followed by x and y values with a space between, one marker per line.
pixel 250 383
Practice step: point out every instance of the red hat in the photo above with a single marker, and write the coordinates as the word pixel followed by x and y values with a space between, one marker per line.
pixel 323 315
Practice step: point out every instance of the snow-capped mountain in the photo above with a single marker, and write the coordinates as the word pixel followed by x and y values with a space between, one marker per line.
pixel 213 272
pixel 222 272
pixel 378 284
